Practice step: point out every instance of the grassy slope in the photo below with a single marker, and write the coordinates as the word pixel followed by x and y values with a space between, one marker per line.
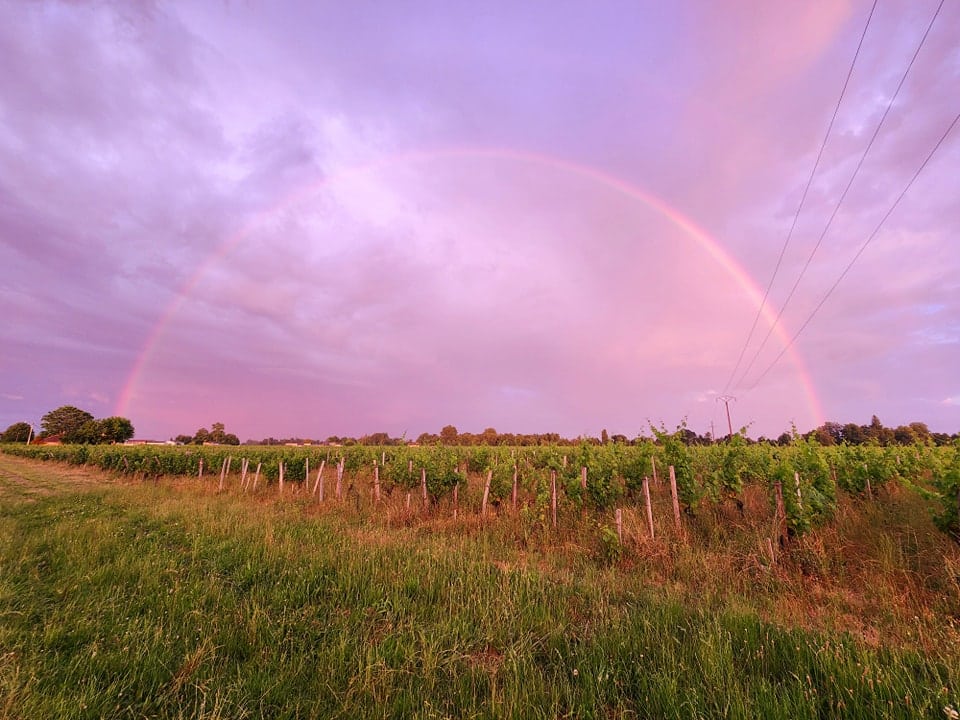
pixel 136 600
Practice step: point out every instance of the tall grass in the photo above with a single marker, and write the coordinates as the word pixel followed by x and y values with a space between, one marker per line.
pixel 143 600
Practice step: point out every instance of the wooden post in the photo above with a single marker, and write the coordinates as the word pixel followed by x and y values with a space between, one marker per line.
pixel 646 500
pixel 319 479
pixel 256 477
pixel 676 499
pixel 583 479
pixel 486 494
pixel 653 464
pixel 866 474
pixel 200 471
pixel 376 482
pixel 223 470
pixel 408 499
pixel 564 462
pixel 553 496
pixel 423 486
pixel 410 467
pixel 780 514
pixel 281 477
pixel 243 474
pixel 958 503
pixel 618 516
pixel 306 473
pixel 456 500
pixel 383 457
pixel 796 482
pixel 339 479
pixel 513 496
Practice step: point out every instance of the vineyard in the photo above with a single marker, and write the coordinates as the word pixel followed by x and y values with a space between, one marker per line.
pixel 656 579
pixel 800 481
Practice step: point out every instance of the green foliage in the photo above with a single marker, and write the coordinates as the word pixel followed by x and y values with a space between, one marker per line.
pixel 399 470
pixel 611 551
pixel 65 421
pixel 501 482
pixel 673 451
pixel 704 473
pixel 441 464
pixel 947 482
pixel 635 464
pixel 19 432
pixel 723 475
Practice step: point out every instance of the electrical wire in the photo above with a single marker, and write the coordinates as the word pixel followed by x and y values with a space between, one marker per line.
pixel 859 252
pixel 803 198
pixel 843 196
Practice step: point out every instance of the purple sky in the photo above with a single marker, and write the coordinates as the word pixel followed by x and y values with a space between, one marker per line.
pixel 342 218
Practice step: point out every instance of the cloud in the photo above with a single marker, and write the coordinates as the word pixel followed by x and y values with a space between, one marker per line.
pixel 305 208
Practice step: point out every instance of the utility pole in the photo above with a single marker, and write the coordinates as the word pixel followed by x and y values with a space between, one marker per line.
pixel 725 399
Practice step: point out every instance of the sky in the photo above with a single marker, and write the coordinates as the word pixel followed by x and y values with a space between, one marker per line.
pixel 314 219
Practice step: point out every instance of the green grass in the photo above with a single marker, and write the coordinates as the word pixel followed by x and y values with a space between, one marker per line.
pixel 144 600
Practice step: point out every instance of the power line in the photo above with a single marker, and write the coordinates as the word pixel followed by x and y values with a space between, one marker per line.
pixel 803 198
pixel 859 252
pixel 843 196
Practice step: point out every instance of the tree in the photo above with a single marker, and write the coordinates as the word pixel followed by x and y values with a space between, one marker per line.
pixel 17 433
pixel 217 433
pixel 604 437
pixel 920 431
pixel 65 421
pixel 202 436
pixel 115 429
pixel 88 433
pixel 830 433
pixel 448 435
pixel 852 434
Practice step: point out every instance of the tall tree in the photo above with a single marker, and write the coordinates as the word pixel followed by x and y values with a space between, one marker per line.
pixel 217 433
pixel 65 421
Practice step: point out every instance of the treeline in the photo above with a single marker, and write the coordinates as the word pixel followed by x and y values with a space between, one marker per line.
pixel 831 433
pixel 69 424
pixel 828 434
pixel 217 435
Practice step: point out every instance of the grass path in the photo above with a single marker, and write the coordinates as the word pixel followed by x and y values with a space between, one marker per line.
pixel 142 600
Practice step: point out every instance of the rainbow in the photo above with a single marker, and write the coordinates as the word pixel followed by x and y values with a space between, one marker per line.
pixel 707 243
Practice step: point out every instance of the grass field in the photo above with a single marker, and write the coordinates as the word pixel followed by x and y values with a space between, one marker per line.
pixel 133 599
